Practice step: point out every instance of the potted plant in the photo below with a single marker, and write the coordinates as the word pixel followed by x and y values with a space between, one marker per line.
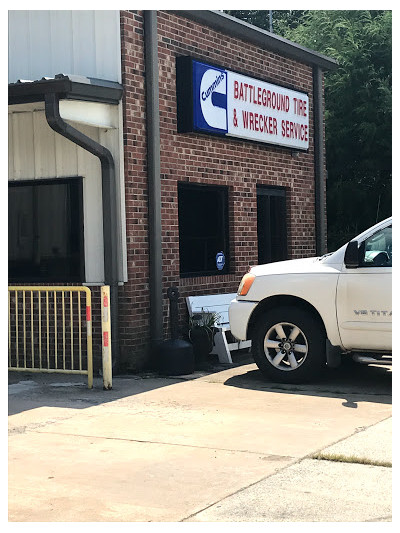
pixel 201 334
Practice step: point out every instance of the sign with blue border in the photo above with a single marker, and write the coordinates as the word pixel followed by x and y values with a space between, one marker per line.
pixel 213 100
pixel 209 99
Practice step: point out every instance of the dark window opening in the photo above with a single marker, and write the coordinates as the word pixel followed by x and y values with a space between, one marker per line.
pixel 203 229
pixel 271 225
pixel 45 231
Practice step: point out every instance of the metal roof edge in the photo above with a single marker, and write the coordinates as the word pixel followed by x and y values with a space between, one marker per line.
pixel 264 39
pixel 66 86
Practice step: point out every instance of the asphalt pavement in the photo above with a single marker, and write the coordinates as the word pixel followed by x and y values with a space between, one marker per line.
pixel 222 445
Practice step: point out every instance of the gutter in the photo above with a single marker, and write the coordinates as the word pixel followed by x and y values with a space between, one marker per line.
pixel 109 196
pixel 153 170
pixel 67 87
pixel 320 218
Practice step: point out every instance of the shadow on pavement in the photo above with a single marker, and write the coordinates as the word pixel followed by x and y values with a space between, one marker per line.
pixel 352 381
pixel 30 391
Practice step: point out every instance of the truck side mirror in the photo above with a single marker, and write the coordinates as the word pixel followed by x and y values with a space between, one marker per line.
pixel 352 255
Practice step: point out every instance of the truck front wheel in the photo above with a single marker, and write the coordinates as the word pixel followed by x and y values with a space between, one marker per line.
pixel 288 345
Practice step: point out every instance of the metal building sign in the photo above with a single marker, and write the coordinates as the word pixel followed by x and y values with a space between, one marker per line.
pixel 217 101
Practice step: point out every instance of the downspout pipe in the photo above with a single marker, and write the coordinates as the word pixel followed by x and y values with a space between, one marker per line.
pixel 109 195
pixel 320 217
pixel 154 179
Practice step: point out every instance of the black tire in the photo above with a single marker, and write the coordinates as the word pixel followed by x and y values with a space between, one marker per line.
pixel 296 345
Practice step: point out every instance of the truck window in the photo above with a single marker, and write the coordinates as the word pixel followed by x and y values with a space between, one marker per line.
pixel 378 249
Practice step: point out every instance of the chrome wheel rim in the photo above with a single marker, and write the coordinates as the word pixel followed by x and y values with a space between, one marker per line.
pixel 285 346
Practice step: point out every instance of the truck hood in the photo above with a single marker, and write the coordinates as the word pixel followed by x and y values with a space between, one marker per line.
pixel 309 265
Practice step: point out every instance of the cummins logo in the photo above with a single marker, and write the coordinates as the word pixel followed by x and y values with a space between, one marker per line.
pixel 213 108
pixel 210 98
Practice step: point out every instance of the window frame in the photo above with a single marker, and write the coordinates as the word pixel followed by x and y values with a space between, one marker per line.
pixel 223 192
pixel 272 191
pixel 80 276
pixel 363 251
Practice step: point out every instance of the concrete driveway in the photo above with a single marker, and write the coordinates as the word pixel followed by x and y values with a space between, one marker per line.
pixel 222 446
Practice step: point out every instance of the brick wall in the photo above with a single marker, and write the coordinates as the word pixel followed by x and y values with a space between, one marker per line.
pixel 195 158
pixel 134 296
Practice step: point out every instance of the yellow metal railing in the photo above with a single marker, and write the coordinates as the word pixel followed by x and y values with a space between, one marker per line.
pixel 46 330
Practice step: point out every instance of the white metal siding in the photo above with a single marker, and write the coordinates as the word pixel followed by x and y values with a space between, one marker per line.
pixel 81 42
pixel 45 43
pixel 45 146
pixel 37 152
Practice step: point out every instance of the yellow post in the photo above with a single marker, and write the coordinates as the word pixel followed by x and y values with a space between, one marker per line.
pixel 106 337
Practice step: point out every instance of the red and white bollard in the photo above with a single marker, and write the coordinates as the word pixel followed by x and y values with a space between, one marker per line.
pixel 106 337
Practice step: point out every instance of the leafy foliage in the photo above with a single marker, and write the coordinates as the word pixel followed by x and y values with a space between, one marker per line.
pixel 206 319
pixel 358 103
pixel 282 21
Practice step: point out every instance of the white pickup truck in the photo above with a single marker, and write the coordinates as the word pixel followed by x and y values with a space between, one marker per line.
pixel 303 314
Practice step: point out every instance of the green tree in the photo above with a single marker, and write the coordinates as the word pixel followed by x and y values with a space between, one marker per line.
pixel 282 21
pixel 358 103
pixel 358 99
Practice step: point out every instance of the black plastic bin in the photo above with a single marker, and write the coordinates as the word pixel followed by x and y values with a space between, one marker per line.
pixel 175 356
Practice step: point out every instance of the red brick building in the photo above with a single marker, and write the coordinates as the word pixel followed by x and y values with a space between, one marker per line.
pixel 189 192
pixel 243 169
